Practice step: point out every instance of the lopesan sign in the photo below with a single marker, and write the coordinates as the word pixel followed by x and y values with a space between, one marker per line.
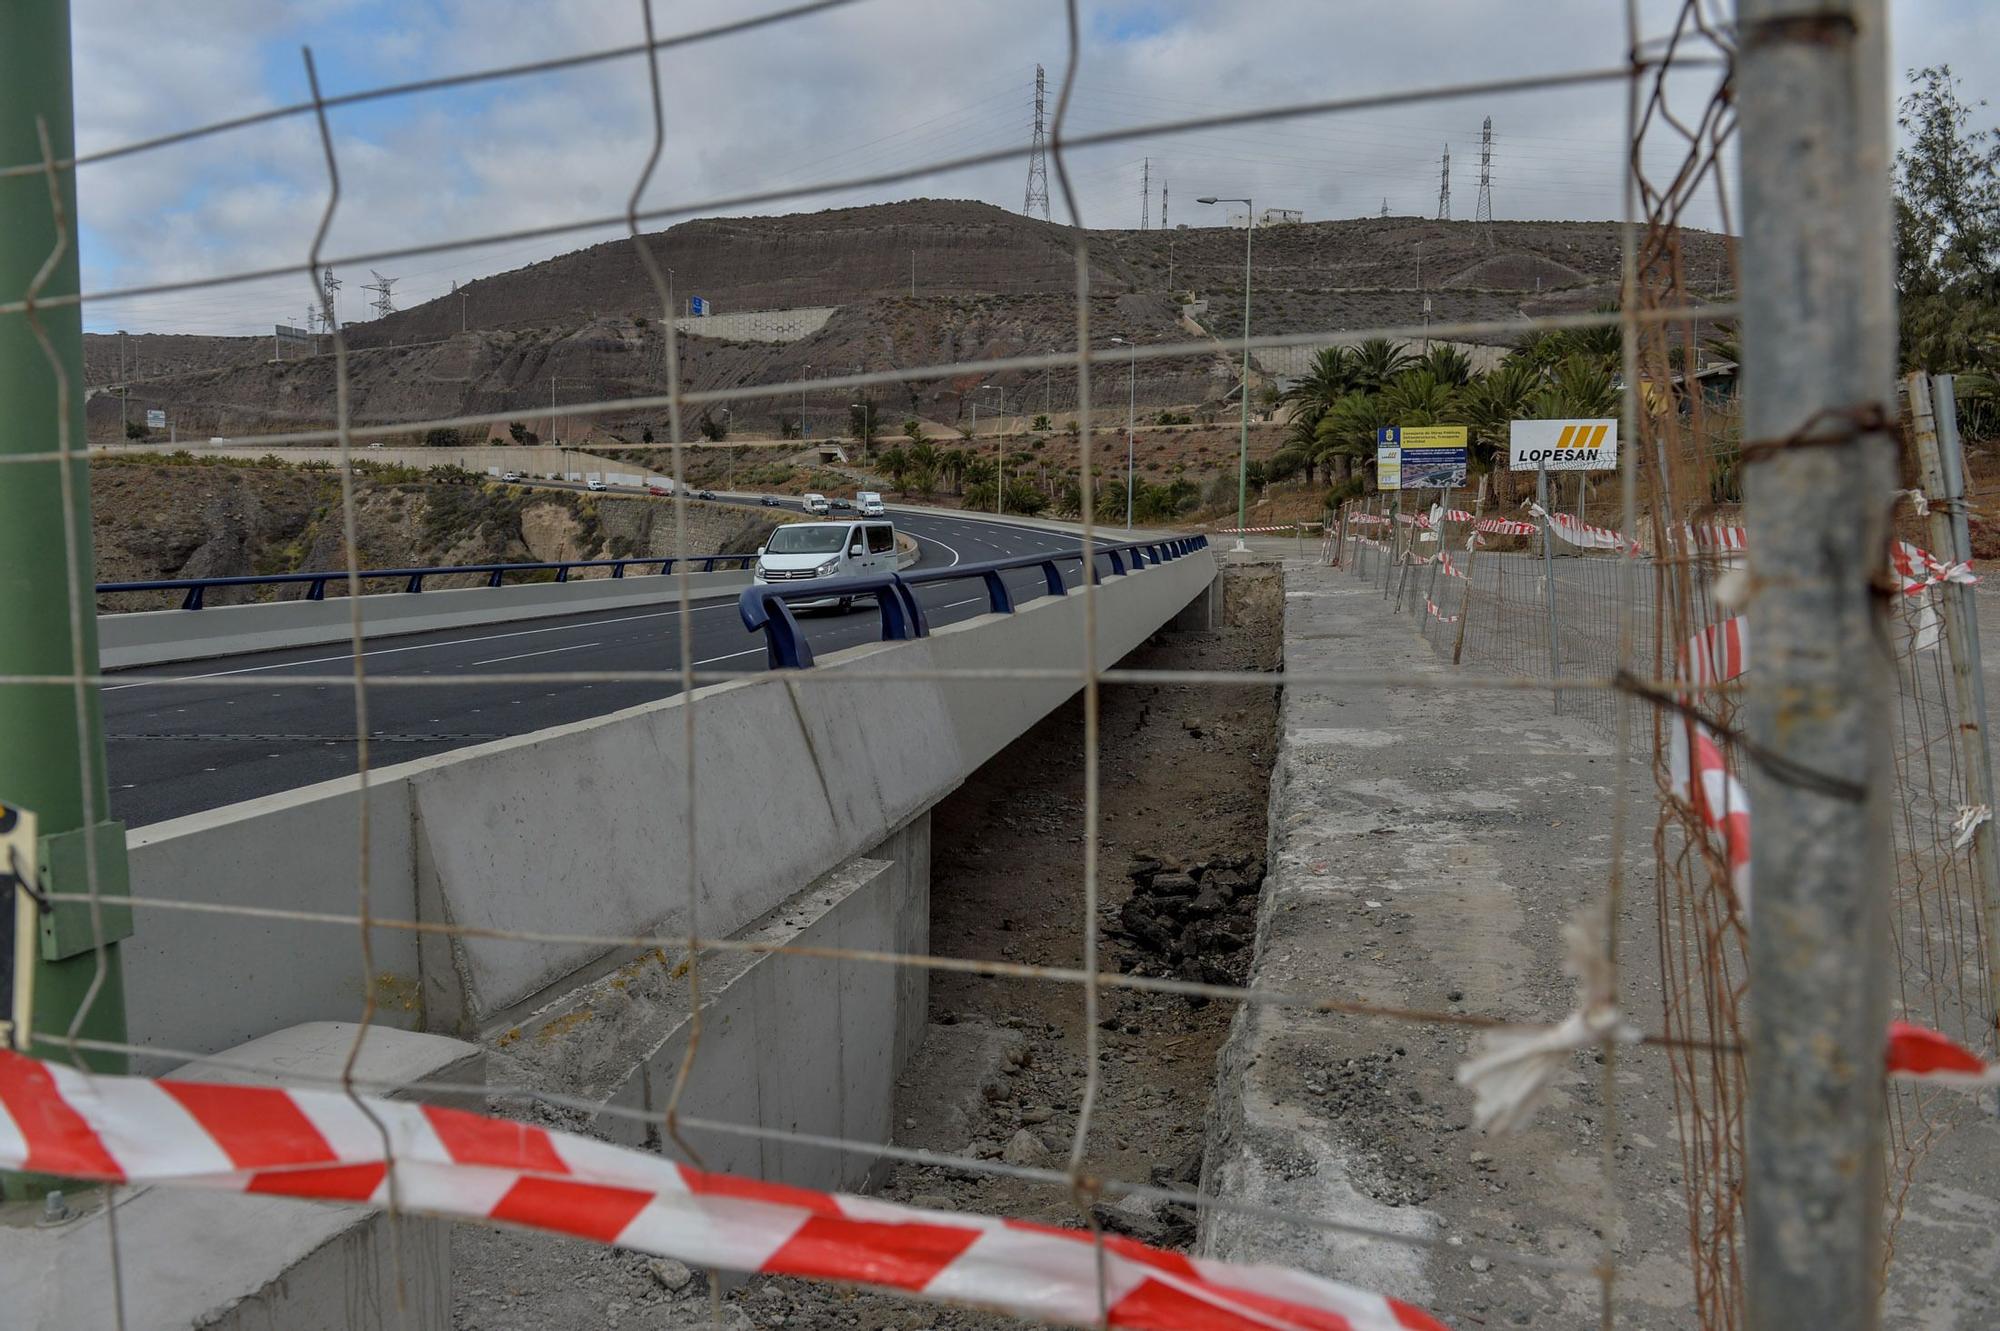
pixel 1563 445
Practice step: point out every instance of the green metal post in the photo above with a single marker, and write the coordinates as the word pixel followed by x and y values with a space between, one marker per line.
pixel 51 750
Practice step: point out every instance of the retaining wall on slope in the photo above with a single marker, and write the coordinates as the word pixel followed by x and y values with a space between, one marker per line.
pixel 576 830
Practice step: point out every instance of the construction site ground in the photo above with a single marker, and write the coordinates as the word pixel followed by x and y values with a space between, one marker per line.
pixel 1184 772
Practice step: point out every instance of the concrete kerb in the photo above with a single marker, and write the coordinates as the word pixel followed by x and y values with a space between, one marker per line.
pixel 158 637
pixel 577 829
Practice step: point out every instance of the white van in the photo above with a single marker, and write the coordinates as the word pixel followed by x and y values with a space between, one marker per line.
pixel 816 504
pixel 808 551
pixel 870 504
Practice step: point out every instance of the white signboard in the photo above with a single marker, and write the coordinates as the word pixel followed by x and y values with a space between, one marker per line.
pixel 1563 445
pixel 156 420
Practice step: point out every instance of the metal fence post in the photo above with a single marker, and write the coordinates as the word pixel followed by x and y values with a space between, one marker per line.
pixel 1549 578
pixel 1941 465
pixel 51 739
pixel 1438 529
pixel 1819 347
pixel 1471 570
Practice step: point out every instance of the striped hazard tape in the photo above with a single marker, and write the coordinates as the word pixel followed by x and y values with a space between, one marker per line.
pixel 325 1146
pixel 1438 614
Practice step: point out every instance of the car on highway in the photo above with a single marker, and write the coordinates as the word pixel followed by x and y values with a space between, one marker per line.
pixel 594 483
pixel 843 505
pixel 659 490
pixel 704 494
pixel 510 477
pixel 769 501
pixel 808 551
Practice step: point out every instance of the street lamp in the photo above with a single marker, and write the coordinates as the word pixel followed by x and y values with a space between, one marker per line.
pixel 802 401
pixel 1000 448
pixel 1131 407
pixel 1243 449
pixel 865 432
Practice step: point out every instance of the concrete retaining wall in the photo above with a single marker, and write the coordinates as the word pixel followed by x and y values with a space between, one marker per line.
pixel 154 637
pixel 790 325
pixel 577 829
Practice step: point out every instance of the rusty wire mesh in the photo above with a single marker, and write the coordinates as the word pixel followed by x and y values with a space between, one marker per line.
pixel 1495 618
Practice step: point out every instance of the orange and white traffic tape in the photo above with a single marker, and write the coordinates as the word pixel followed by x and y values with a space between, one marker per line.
pixel 326 1146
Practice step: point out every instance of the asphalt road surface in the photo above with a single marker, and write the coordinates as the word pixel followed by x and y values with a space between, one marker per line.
pixel 176 749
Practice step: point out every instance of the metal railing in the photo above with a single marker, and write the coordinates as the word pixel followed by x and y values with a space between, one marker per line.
pixel 413 578
pixel 764 605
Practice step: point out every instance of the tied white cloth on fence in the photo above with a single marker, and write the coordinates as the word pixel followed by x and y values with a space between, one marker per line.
pixel 1970 816
pixel 1512 1068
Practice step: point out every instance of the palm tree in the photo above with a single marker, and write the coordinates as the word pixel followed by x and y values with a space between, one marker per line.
pixel 1581 387
pixel 1348 429
pixel 1332 374
pixel 1491 404
pixel 1376 362
pixel 924 453
pixel 896 464
pixel 951 464
pixel 1418 397
pixel 1447 363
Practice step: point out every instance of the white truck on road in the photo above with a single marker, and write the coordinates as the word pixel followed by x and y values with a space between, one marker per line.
pixel 817 503
pixel 870 503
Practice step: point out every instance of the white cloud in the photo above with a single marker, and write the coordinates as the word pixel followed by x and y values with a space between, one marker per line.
pixel 877 86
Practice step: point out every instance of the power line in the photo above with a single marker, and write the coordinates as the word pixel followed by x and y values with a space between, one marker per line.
pixel 1038 164
pixel 383 305
pixel 1484 211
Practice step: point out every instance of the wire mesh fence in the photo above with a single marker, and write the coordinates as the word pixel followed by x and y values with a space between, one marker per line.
pixel 1517 608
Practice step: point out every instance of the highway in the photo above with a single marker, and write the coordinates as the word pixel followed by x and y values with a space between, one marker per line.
pixel 176 749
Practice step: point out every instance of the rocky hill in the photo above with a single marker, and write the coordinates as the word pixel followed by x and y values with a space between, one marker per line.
pixel 988 284
pixel 154 520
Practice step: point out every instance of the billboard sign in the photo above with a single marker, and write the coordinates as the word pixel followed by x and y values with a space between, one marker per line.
pixel 156 419
pixel 698 306
pixel 1563 445
pixel 1388 463
pixel 1433 455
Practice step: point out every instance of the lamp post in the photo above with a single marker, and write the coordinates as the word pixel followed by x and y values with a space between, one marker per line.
pixel 1131 418
pixel 802 401
pixel 999 447
pixel 866 433
pixel 1243 449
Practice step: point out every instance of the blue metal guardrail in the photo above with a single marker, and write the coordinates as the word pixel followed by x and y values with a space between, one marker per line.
pixel 764 606
pixel 412 578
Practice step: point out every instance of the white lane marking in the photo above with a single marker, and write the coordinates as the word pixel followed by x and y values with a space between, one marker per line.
pixel 546 651
pixel 934 540
pixel 754 651
pixel 426 646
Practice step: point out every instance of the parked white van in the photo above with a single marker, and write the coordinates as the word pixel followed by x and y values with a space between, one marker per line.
pixel 816 504
pixel 870 504
pixel 808 551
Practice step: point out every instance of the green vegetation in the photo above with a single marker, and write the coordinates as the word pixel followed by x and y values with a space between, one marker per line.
pixel 521 434
pixel 1947 201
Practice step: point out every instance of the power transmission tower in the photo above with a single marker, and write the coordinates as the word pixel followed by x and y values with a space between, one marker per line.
pixel 1385 205
pixel 1484 211
pixel 328 284
pixel 383 304
pixel 1146 194
pixel 1444 186
pixel 1038 163
pixel 1163 205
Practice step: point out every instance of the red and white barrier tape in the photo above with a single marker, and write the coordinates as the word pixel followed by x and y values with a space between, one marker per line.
pixel 1251 531
pixel 1506 527
pixel 1917 1053
pixel 1450 569
pixel 1715 537
pixel 1438 614
pixel 322 1145
pixel 1919 568
pixel 1696 760
pixel 1581 534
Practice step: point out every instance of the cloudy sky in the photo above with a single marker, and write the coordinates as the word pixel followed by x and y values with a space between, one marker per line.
pixel 872 87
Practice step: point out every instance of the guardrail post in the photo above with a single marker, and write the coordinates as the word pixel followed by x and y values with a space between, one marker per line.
pixel 618 568
pixel 562 573
pixel 415 584
pixel 1819 358
pixel 51 735
pixel 192 601
pixel 997 600
pixel 1053 576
